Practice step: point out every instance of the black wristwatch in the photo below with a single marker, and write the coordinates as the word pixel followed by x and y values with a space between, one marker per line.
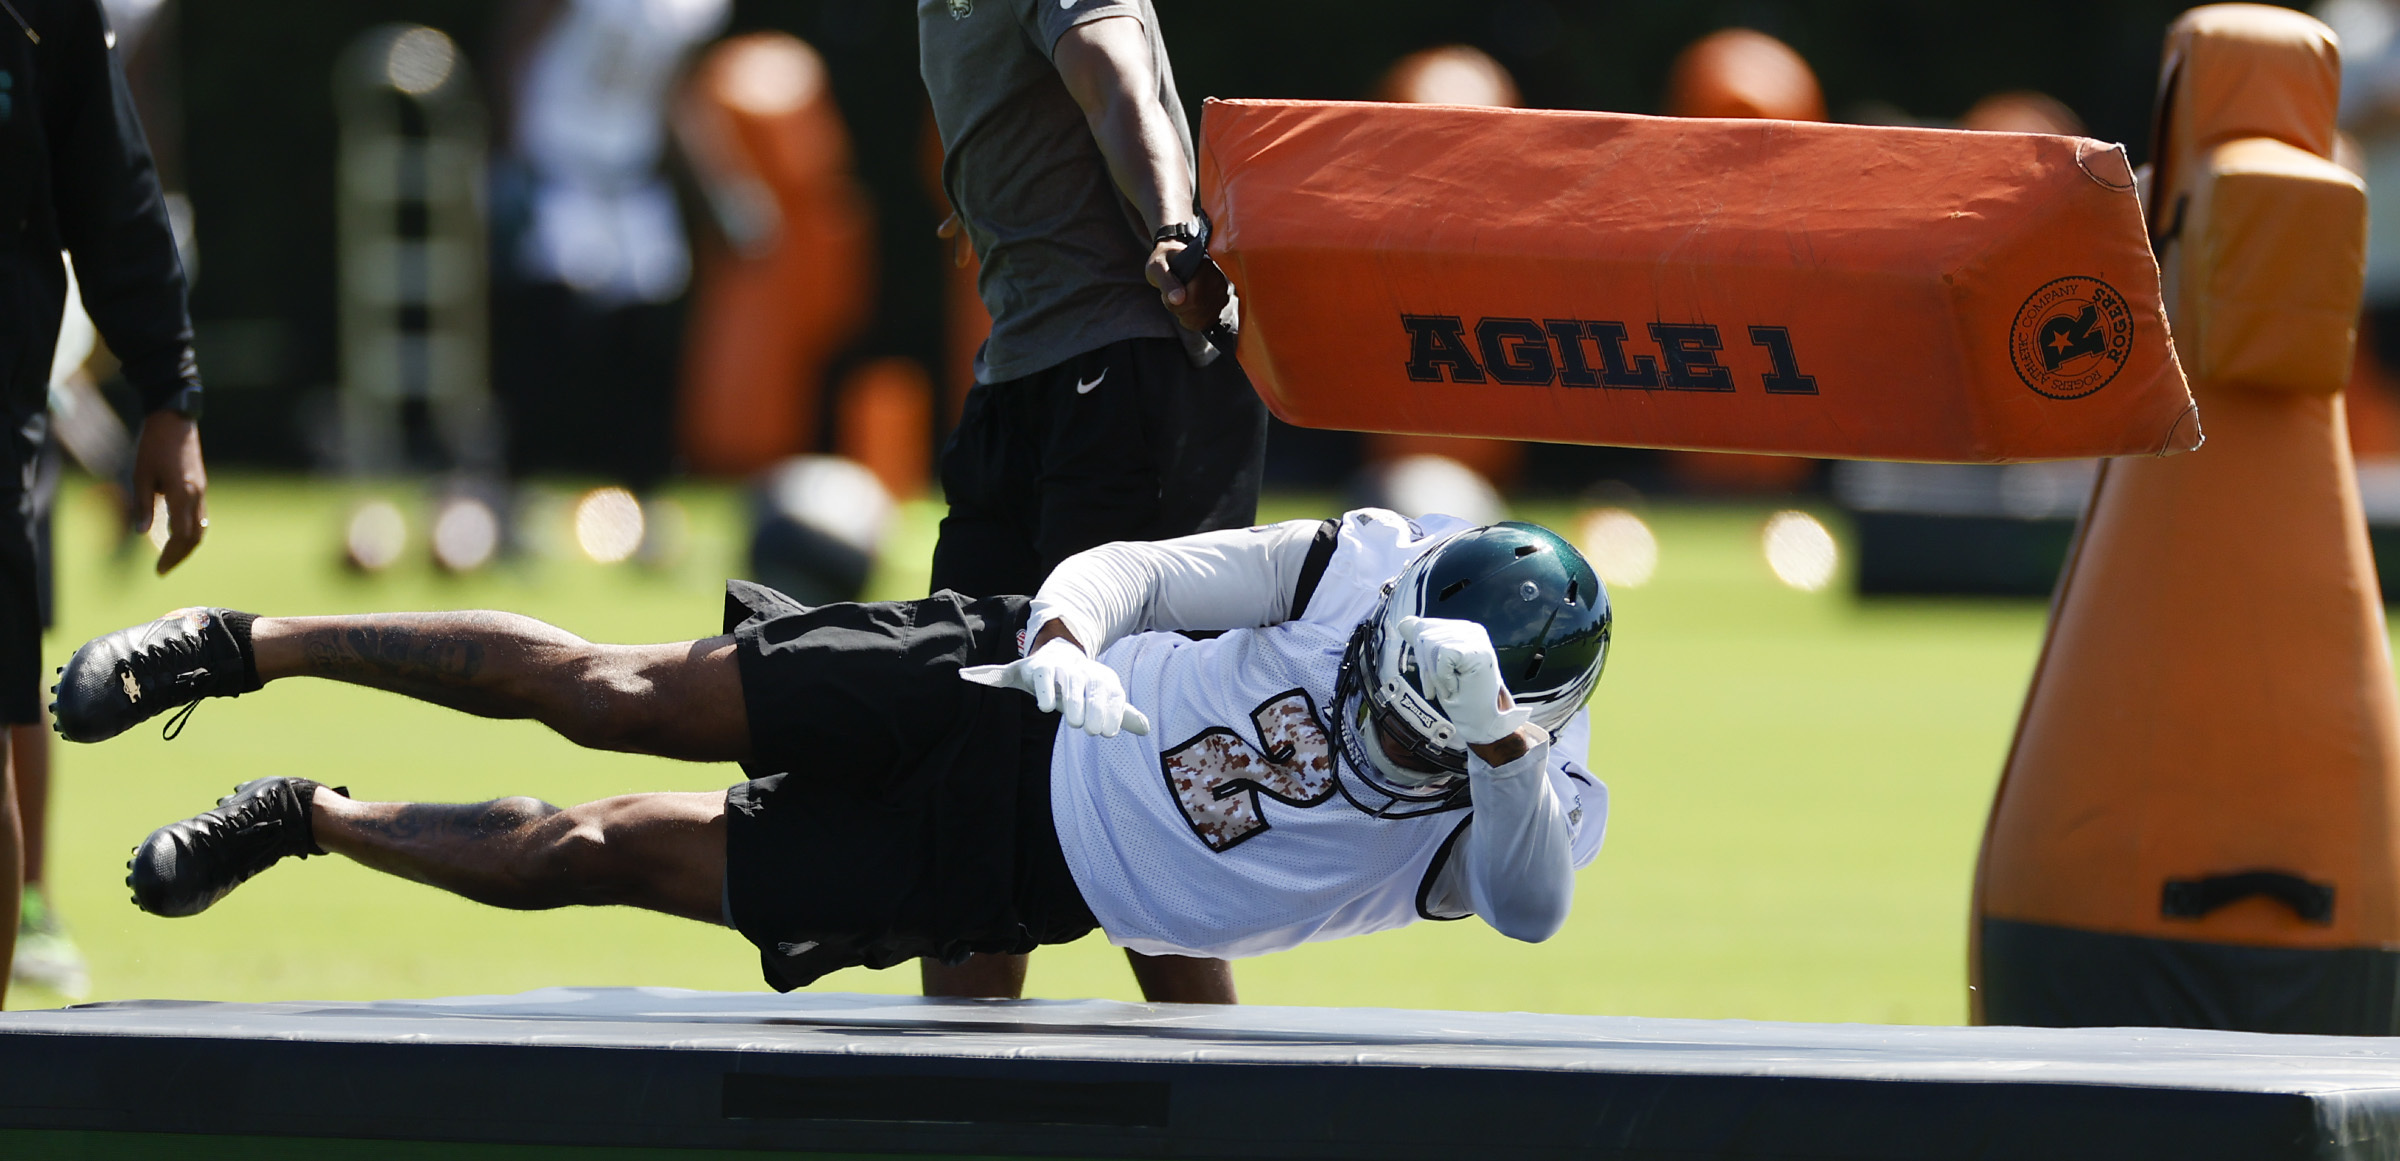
pixel 184 402
pixel 1188 233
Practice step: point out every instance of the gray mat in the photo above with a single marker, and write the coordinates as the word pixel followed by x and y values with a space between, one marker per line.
pixel 668 1069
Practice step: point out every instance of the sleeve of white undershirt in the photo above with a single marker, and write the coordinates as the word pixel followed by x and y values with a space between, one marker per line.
pixel 1514 865
pixel 1240 578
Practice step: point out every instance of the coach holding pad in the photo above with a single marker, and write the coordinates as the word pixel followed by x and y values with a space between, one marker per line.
pixel 1099 411
pixel 75 176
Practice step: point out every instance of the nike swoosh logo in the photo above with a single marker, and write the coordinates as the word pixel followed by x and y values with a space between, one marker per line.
pixel 1085 388
pixel 1067 4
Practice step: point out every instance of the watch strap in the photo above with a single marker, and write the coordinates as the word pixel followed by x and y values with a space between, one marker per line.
pixel 184 402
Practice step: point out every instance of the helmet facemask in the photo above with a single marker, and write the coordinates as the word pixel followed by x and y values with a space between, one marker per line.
pixel 1381 704
pixel 1367 730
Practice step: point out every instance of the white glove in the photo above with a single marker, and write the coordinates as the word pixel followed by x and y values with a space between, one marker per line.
pixel 1461 672
pixel 1063 678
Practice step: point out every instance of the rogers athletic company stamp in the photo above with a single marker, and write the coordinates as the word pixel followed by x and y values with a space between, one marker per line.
pixel 2071 337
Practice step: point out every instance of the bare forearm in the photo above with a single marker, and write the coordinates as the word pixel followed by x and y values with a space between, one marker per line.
pixel 1107 67
pixel 1145 158
pixel 1110 68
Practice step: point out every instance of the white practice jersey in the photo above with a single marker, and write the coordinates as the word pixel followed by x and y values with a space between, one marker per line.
pixel 1233 829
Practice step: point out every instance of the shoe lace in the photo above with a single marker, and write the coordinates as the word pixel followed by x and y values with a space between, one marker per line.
pixel 173 728
pixel 177 653
pixel 250 835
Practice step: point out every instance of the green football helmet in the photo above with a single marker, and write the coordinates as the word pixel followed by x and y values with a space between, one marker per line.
pixel 1548 617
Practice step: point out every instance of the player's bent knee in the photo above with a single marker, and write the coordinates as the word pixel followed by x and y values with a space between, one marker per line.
pixel 620 704
pixel 611 711
pixel 570 861
pixel 590 855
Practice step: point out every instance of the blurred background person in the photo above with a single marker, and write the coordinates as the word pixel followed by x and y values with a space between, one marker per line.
pixel 76 171
pixel 85 426
pixel 1100 412
pixel 47 956
pixel 590 262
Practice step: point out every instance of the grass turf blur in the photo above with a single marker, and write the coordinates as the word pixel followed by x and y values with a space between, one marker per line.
pixel 1799 783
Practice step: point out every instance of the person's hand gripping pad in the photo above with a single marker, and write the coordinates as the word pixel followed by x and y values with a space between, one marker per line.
pixel 1461 673
pixel 1064 679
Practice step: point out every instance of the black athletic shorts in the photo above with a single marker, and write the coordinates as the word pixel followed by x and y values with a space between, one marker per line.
pixel 895 811
pixel 1126 442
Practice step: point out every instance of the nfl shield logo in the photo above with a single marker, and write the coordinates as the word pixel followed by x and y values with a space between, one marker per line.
pixel 961 9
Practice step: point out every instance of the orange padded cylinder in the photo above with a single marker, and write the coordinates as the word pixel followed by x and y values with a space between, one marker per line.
pixel 1763 286
pixel 777 298
pixel 2199 823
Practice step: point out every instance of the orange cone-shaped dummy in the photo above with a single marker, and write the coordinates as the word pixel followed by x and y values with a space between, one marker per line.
pixel 2197 823
pixel 790 280
pixel 884 420
pixel 1450 75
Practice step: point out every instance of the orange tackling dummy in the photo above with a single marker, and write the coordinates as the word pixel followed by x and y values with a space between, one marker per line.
pixel 2200 821
pixel 1762 286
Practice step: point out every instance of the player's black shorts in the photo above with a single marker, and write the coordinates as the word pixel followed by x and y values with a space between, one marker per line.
pixel 1126 442
pixel 894 811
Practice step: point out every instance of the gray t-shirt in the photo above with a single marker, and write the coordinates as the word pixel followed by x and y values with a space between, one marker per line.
pixel 1062 249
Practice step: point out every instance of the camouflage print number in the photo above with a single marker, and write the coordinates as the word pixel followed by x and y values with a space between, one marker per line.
pixel 1218 775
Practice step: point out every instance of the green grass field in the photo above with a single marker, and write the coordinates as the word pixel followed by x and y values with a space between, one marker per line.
pixel 1799 783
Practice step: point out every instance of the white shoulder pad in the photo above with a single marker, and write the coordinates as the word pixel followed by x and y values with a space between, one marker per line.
pixel 1374 545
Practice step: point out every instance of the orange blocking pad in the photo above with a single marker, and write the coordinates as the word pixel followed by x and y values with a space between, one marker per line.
pixel 1760 286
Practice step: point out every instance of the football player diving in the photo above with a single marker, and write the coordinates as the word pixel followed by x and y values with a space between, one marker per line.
pixel 1221 745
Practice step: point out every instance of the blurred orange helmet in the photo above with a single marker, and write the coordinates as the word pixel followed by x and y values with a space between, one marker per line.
pixel 1453 74
pixel 2022 112
pixel 1743 73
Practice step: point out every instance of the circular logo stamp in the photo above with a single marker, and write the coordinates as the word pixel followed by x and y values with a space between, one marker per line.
pixel 2071 337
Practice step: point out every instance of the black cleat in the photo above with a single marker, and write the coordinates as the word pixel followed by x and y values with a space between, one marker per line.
pixel 122 679
pixel 183 868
